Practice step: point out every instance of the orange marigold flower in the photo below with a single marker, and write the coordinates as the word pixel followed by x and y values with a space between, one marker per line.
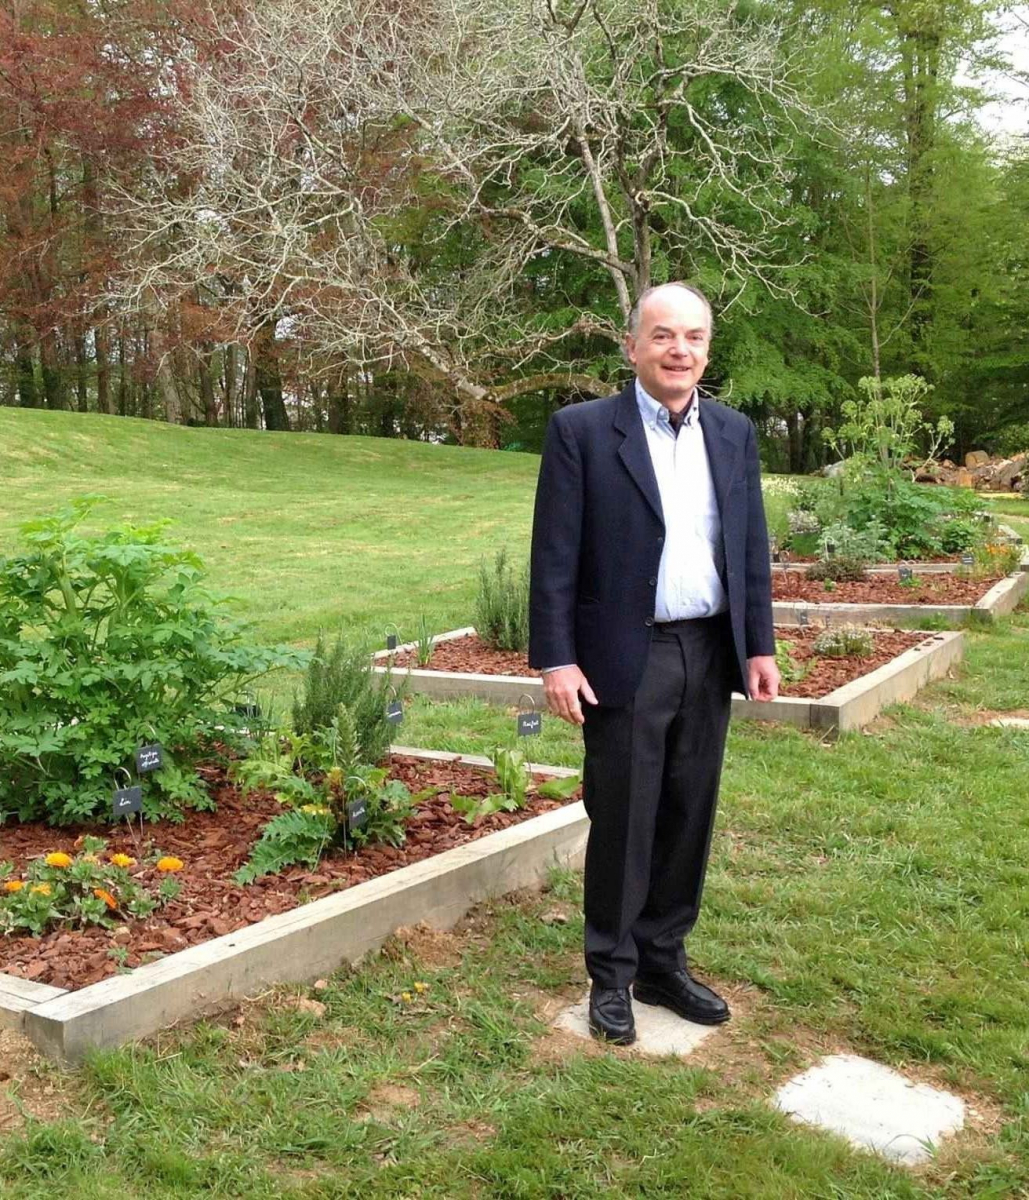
pixel 13 885
pixel 42 888
pixel 108 899
pixel 58 859
pixel 170 863
pixel 123 860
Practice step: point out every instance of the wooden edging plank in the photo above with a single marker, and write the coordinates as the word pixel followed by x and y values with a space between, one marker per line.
pixel 312 940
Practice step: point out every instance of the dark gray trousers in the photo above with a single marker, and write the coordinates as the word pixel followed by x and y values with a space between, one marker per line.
pixel 650 786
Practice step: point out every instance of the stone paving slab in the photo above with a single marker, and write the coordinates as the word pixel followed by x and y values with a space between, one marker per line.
pixel 873 1107
pixel 1011 722
pixel 658 1031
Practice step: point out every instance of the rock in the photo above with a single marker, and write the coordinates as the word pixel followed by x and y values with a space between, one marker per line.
pixel 833 470
pixel 963 478
pixel 976 458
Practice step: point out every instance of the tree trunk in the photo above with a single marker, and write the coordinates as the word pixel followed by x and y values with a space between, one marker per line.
pixel 206 375
pixel 269 381
pixel 102 350
pixel 230 384
pixel 339 406
pixel 54 390
pixel 25 369
pixel 81 373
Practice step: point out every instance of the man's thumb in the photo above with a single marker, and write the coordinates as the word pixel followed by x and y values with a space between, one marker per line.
pixel 587 691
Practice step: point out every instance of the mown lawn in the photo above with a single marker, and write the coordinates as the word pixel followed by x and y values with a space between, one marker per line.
pixel 868 895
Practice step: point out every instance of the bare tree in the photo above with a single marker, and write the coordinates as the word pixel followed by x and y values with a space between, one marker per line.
pixel 315 134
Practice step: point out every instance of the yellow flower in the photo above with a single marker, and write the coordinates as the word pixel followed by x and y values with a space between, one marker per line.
pixel 170 863
pixel 43 889
pixel 420 987
pixel 58 859
pixel 108 899
pixel 123 860
pixel 13 885
pixel 314 808
pixel 406 997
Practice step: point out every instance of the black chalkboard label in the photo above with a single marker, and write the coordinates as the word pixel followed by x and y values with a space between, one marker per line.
pixel 802 617
pixel 529 724
pixel 830 549
pixel 394 712
pixel 128 800
pixel 968 559
pixel 391 641
pixel 149 758
pixel 905 573
pixel 357 813
pixel 249 710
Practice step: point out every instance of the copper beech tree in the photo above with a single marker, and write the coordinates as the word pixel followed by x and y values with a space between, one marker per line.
pixel 387 183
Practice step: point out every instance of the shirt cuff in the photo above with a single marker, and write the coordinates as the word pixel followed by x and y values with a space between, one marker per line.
pixel 547 670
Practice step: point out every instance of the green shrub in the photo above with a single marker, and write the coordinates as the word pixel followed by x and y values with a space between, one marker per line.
pixel 841 568
pixel 343 676
pixel 844 641
pixel 108 641
pixel 502 605
pixel 790 669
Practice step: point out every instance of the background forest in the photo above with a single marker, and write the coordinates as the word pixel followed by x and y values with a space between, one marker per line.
pixel 429 219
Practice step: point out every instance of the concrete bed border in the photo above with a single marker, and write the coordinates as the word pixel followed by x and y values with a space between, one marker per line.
pixel 848 707
pixel 302 944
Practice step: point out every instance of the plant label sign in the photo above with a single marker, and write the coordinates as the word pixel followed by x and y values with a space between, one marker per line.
pixel 905 573
pixel 802 618
pixel 530 724
pixel 149 758
pixel 394 712
pixel 968 560
pixel 357 813
pixel 127 801
pixel 250 710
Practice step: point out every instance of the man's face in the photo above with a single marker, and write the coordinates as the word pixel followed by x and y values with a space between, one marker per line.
pixel 670 351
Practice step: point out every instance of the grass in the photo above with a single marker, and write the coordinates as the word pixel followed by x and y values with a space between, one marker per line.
pixel 867 895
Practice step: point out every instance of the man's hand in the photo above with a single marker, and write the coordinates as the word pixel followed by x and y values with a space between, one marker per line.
pixel 762 677
pixel 562 688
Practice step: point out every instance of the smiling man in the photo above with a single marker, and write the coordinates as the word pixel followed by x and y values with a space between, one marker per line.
pixel 650 604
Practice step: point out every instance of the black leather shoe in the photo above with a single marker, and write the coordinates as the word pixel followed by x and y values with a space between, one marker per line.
pixel 680 992
pixel 610 1016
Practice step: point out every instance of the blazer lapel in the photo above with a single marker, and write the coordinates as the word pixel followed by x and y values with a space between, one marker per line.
pixel 723 452
pixel 633 451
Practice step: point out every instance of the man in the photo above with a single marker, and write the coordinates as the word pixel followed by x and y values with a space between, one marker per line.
pixel 650 604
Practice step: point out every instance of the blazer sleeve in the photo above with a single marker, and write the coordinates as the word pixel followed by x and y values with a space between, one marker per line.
pixel 556 544
pixel 758 626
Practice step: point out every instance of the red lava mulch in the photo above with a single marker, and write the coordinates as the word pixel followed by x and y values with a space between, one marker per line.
pixel 882 589
pixel 215 844
pixel 469 654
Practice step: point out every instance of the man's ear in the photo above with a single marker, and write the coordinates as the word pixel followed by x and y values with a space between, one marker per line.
pixel 629 349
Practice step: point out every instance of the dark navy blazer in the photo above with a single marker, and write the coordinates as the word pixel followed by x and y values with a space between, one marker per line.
pixel 598 532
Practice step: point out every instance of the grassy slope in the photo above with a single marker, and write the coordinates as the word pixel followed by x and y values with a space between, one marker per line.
pixel 867 895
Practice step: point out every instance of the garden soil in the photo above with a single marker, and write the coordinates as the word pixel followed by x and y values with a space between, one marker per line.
pixel 823 675
pixel 213 845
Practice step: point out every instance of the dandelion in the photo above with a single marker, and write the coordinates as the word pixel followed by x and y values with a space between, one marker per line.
pixel 421 988
pixel 58 859
pixel 406 997
pixel 41 889
pixel 123 860
pixel 170 863
pixel 105 895
pixel 13 885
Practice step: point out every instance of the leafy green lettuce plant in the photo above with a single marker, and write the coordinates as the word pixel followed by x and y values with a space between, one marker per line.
pixel 109 641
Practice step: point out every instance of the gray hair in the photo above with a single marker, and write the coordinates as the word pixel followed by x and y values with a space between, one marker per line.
pixel 633 323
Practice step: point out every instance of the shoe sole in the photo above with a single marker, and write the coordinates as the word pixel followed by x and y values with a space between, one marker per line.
pixel 659 1000
pixel 620 1040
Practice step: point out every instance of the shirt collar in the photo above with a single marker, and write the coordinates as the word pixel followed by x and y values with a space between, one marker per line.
pixel 654 413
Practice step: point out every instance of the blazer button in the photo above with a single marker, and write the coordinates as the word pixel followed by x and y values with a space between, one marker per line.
pixel 652 581
pixel 648 620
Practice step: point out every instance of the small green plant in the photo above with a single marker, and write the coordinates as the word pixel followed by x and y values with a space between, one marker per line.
pixel 513 781
pixel 91 887
pixel 108 641
pixel 317 777
pixel 424 643
pixel 502 605
pixel 844 641
pixel 841 568
pixel 560 788
pixel 343 675
pixel 791 670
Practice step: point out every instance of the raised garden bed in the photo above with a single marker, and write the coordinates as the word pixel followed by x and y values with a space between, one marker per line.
pixel 220 941
pixel 840 693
